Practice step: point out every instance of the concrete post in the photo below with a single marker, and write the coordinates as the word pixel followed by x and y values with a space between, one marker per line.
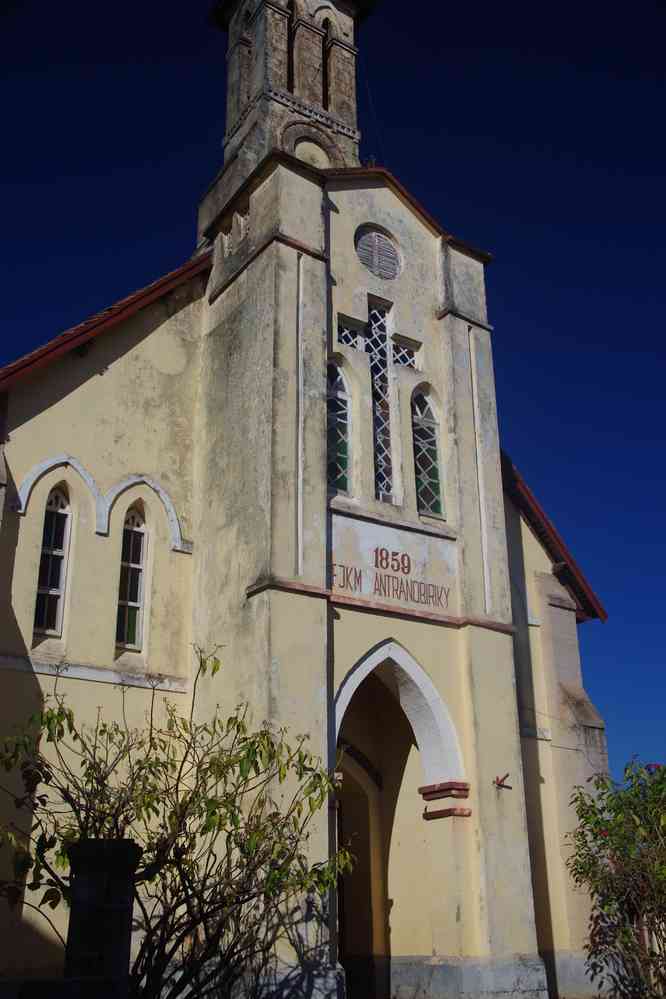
pixel 100 922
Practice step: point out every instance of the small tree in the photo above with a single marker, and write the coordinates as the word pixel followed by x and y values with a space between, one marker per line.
pixel 619 856
pixel 221 812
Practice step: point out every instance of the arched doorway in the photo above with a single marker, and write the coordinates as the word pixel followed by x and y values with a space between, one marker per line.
pixel 394 734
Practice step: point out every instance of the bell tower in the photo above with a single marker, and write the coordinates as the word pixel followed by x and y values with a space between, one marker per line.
pixel 291 83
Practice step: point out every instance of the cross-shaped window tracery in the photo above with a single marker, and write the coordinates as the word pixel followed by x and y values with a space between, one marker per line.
pixel 383 351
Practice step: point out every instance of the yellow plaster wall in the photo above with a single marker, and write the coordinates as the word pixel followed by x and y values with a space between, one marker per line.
pixel 122 409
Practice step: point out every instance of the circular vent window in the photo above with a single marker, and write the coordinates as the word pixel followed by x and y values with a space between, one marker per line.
pixel 378 253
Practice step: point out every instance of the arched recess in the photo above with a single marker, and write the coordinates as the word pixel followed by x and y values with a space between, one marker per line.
pixel 106 504
pixel 432 725
pixel 43 468
pixel 298 132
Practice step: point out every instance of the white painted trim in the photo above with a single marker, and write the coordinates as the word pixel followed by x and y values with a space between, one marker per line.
pixel 431 723
pixel 104 504
pixel 300 418
pixel 94 674
pixel 42 467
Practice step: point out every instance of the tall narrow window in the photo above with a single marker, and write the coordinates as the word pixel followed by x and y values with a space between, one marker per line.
pixel 53 565
pixel 129 625
pixel 325 53
pixel 291 7
pixel 338 431
pixel 426 460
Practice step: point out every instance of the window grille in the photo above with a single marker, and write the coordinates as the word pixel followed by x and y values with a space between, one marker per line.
pixel 377 346
pixel 402 354
pixel 53 565
pixel 426 461
pixel 129 624
pixel 378 253
pixel 348 336
pixel 338 431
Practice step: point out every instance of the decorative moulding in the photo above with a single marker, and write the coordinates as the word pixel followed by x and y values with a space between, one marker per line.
pixel 96 674
pixel 104 503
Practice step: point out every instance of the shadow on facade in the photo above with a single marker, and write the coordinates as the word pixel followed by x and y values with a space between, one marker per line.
pixel 529 721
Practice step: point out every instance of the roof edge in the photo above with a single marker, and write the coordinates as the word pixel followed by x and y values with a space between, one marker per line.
pixel 90 328
pixel 381 174
pixel 566 568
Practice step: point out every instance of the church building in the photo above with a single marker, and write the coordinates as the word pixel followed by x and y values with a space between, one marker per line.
pixel 289 447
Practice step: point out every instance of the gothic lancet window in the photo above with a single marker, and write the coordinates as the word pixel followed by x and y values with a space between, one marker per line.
pixel 53 564
pixel 129 623
pixel 426 459
pixel 337 408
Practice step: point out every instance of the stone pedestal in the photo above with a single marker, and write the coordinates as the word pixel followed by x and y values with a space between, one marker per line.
pixel 100 923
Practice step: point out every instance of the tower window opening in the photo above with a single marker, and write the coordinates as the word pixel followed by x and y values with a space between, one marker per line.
pixel 426 459
pixel 337 411
pixel 325 70
pixel 129 622
pixel 291 7
pixel 53 565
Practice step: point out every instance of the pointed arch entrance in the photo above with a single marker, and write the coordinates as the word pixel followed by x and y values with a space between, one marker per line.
pixel 393 733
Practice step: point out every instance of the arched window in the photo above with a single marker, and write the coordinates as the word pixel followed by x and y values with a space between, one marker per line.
pixel 129 625
pixel 426 459
pixel 337 405
pixel 53 564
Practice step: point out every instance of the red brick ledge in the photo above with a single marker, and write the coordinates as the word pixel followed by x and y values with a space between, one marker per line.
pixel 448 813
pixel 449 789
pixel 336 599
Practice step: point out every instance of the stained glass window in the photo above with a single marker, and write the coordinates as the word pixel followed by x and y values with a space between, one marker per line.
pixel 426 459
pixel 338 431
pixel 53 564
pixel 129 623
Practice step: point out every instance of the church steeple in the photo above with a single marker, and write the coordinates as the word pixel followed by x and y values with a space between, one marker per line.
pixel 291 67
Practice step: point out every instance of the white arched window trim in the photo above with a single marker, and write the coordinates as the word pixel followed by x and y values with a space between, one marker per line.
pixel 132 585
pixel 53 565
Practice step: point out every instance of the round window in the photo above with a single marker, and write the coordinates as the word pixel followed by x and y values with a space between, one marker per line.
pixel 378 253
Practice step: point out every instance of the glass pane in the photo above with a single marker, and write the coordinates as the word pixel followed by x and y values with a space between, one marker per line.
pixel 137 547
pixel 127 545
pixel 52 612
pixel 120 625
pixel 124 580
pixel 44 570
pixel 132 622
pixel 40 611
pixel 134 580
pixel 59 532
pixel 49 524
pixel 56 572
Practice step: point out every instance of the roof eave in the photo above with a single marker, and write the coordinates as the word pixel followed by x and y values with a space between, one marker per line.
pixel 565 566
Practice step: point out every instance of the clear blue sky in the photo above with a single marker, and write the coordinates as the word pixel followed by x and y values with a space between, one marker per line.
pixel 534 131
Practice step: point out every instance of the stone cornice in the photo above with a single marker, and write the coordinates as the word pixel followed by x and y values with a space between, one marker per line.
pixel 298 588
pixel 451 310
pixel 288 100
